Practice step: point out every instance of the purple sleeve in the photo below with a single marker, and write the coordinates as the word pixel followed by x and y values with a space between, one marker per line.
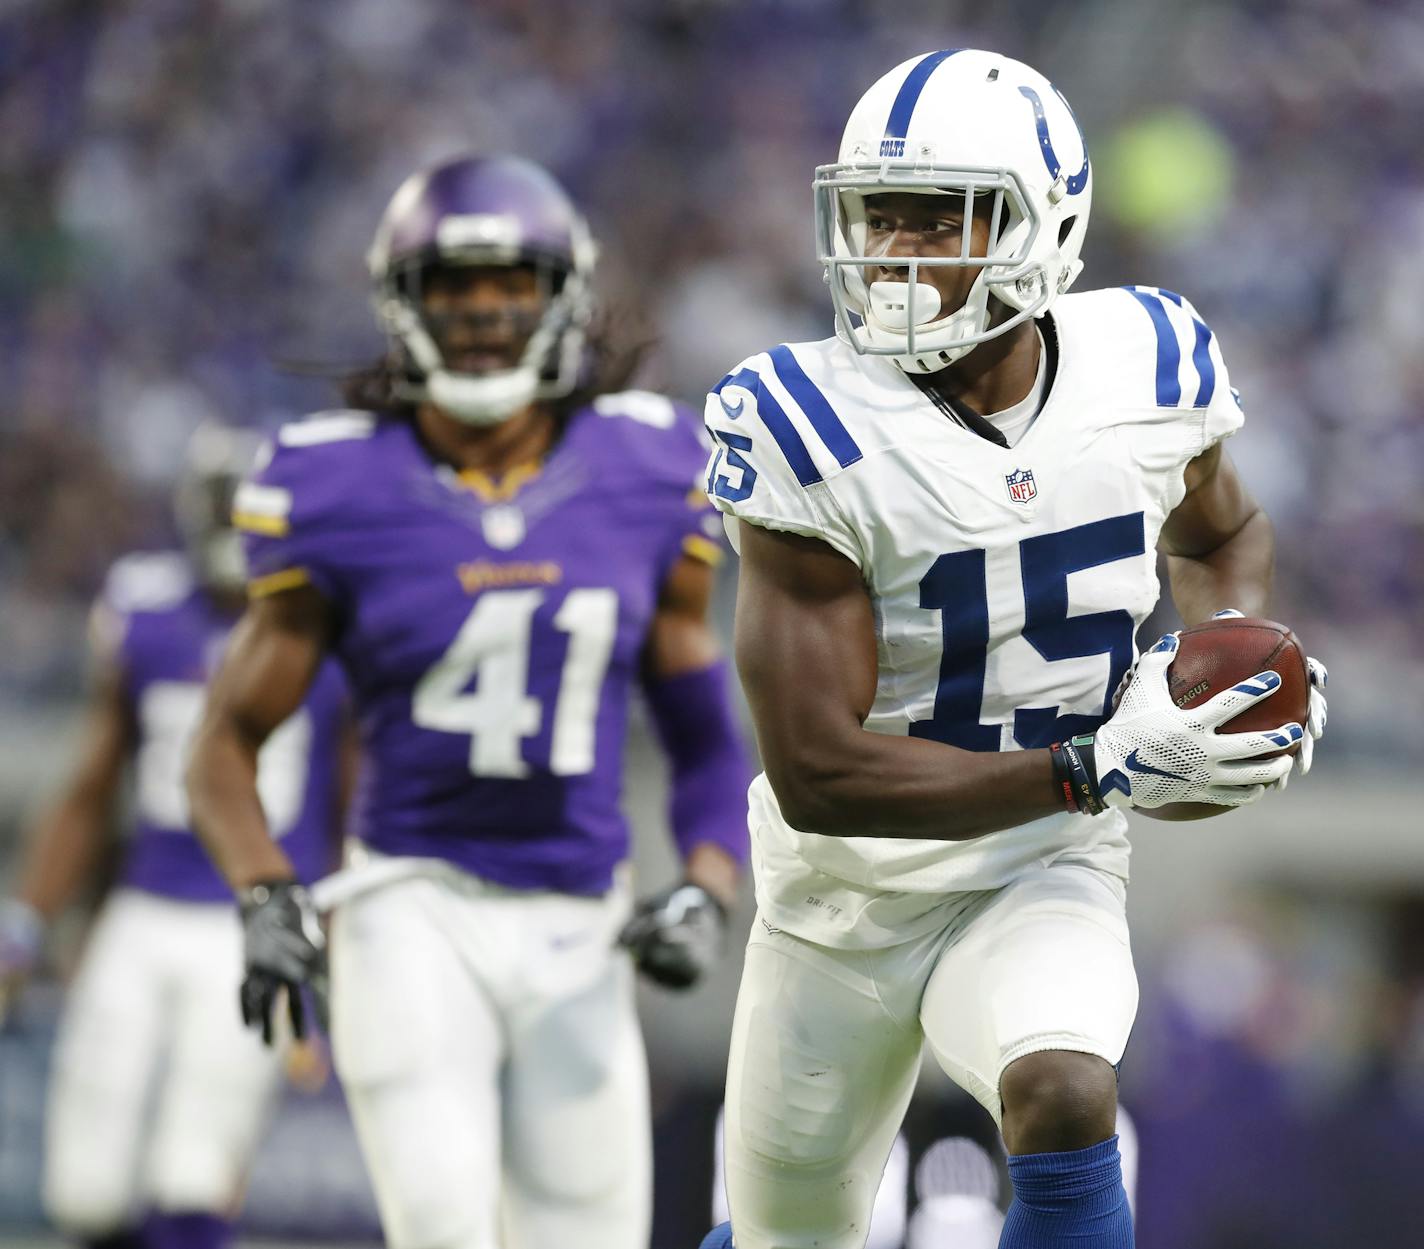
pixel 292 517
pixel 697 727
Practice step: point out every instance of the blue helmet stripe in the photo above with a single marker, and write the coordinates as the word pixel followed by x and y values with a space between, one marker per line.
pixel 1169 354
pixel 893 144
pixel 778 423
pixel 813 403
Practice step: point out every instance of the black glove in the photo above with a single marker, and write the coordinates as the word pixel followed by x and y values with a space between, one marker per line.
pixel 283 948
pixel 676 935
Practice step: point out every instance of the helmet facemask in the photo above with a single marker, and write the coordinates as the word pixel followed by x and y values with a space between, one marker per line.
pixel 903 320
pixel 547 367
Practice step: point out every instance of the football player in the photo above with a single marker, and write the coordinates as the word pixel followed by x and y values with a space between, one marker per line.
pixel 500 548
pixel 157 1096
pixel 949 515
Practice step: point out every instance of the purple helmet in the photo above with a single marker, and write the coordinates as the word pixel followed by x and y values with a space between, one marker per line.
pixel 484 210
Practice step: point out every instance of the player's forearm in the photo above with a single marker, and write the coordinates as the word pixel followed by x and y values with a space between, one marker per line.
pixel 1235 574
pixel 64 851
pixel 875 785
pixel 710 867
pixel 226 810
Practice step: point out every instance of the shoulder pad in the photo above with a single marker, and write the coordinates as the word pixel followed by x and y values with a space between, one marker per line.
pixel 150 581
pixel 1186 372
pixel 643 406
pixel 661 439
pixel 808 433
pixel 307 471
pixel 338 425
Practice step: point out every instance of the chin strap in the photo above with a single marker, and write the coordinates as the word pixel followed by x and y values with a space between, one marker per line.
pixel 485 400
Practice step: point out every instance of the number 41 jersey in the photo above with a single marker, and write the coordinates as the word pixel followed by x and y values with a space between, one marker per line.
pixel 1007 582
pixel 491 632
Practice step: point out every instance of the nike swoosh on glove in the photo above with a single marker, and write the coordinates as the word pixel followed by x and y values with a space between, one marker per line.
pixel 1152 752
pixel 676 936
pixel 284 948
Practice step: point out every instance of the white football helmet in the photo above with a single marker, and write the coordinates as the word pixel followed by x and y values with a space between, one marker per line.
pixel 975 124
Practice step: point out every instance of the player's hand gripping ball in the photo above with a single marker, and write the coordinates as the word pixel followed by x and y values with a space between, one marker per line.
pixel 1227 651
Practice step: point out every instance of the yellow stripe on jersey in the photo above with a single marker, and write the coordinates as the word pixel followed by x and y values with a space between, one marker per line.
pixel 270 526
pixel 705 549
pixel 276 582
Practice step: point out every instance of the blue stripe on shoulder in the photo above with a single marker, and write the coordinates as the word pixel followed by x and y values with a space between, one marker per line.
pixel 1201 353
pixel 813 403
pixel 1169 355
pixel 1201 357
pixel 777 422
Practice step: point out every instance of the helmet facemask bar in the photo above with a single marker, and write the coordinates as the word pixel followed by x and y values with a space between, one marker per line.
pixel 924 344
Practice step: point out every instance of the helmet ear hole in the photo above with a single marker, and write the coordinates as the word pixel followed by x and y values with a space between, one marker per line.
pixel 1066 229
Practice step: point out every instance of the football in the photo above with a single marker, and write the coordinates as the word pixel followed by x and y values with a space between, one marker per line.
pixel 1213 657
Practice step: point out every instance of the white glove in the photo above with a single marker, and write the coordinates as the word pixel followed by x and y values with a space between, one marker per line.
pixel 1316 716
pixel 1152 752
pixel 1226 613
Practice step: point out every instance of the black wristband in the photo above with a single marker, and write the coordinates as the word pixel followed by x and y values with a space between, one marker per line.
pixel 1075 772
pixel 1063 777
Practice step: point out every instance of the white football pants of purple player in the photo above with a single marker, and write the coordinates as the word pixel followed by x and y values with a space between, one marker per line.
pixel 488 1043
pixel 157 1098
pixel 826 1043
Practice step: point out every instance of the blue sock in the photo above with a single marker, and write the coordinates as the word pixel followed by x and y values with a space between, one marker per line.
pixel 189 1230
pixel 1070 1200
pixel 720 1237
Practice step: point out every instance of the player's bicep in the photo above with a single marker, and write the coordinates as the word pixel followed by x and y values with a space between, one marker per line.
pixel 680 638
pixel 1214 509
pixel 805 648
pixel 270 663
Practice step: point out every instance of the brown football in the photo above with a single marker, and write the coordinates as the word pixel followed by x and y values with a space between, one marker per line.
pixel 1214 656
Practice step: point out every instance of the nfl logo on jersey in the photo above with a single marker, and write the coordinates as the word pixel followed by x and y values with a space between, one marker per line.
pixel 1020 483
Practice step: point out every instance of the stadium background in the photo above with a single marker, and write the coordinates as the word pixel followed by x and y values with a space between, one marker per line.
pixel 186 191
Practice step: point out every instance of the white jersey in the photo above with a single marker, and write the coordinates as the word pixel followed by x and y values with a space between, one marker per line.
pixel 1007 582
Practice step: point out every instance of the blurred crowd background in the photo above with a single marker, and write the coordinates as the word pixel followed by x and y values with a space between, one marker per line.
pixel 187 189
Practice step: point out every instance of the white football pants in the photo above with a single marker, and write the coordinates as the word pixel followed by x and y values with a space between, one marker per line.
pixel 488 1043
pixel 157 1095
pixel 826 1042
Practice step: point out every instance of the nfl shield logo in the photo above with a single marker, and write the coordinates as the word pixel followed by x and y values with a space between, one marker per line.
pixel 1020 483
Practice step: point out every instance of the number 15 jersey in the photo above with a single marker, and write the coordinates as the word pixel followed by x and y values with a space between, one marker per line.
pixel 1007 583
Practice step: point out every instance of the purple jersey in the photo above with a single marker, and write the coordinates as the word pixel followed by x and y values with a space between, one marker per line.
pixel 167 636
pixel 491 632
